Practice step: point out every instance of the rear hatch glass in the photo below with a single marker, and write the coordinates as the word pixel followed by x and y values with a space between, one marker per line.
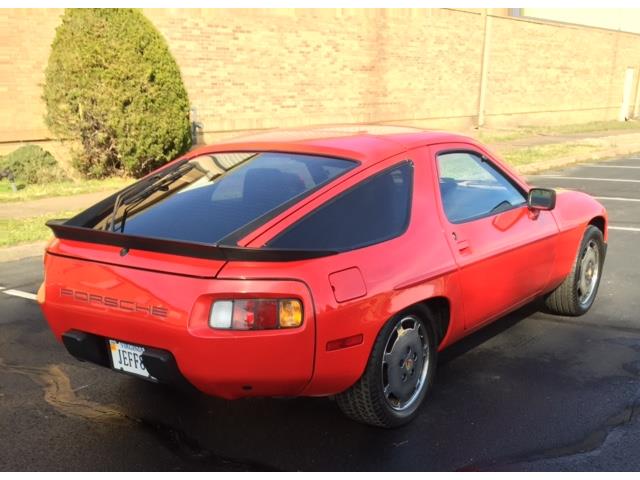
pixel 215 198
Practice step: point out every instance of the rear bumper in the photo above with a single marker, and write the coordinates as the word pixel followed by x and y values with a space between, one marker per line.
pixel 93 348
pixel 227 369
pixel 168 315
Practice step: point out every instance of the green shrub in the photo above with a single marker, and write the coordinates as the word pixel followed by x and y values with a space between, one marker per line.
pixel 32 165
pixel 112 85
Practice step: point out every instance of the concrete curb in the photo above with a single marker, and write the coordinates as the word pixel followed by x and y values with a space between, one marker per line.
pixel 9 254
pixel 614 146
pixel 41 206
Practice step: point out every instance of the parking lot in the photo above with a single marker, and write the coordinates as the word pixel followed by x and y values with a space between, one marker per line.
pixel 530 392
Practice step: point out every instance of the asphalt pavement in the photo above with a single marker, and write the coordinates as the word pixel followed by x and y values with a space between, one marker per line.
pixel 532 391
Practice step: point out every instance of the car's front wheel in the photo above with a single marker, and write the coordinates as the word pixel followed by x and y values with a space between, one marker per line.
pixel 398 375
pixel 578 291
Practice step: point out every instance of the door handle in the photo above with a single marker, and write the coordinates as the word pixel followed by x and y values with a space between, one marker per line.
pixel 462 244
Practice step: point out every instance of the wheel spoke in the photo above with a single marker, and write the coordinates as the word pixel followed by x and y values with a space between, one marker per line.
pixel 387 391
pixel 582 286
pixel 589 272
pixel 386 358
pixel 584 261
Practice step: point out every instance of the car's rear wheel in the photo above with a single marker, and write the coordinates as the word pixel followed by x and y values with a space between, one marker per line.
pixel 578 291
pixel 398 375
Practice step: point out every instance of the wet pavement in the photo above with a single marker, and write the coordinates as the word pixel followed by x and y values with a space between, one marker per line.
pixel 530 392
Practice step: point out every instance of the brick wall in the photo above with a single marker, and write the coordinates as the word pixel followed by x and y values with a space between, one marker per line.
pixel 254 69
pixel 267 68
pixel 25 42
pixel 556 73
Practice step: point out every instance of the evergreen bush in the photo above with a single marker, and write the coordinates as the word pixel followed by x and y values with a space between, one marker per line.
pixel 112 86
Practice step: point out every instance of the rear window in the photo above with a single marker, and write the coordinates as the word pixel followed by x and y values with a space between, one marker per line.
pixel 220 197
pixel 373 211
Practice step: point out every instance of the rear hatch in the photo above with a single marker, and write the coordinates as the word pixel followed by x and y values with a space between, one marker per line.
pixel 197 209
pixel 141 266
pixel 89 286
pixel 174 230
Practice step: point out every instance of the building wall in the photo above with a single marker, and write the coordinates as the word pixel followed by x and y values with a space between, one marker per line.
pixel 541 72
pixel 25 43
pixel 626 19
pixel 262 68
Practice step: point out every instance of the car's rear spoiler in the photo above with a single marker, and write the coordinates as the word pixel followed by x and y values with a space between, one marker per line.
pixel 176 247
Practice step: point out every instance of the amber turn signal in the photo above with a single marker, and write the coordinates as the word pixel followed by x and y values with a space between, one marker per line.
pixel 290 313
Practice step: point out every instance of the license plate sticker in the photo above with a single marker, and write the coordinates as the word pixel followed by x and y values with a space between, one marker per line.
pixel 128 358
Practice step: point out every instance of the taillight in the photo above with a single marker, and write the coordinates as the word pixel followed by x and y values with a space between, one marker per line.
pixel 255 314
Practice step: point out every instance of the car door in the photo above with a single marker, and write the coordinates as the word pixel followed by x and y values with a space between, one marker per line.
pixel 504 250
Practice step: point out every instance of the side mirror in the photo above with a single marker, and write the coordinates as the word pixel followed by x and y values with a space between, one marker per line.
pixel 541 199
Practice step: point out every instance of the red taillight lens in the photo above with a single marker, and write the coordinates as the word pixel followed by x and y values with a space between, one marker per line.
pixel 255 314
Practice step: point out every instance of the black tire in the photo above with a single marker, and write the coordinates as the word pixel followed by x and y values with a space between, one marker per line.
pixel 365 401
pixel 566 299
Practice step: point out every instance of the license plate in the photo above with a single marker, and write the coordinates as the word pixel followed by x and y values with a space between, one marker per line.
pixel 128 358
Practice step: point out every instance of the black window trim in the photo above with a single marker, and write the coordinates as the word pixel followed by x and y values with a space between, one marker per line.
pixel 350 189
pixel 486 159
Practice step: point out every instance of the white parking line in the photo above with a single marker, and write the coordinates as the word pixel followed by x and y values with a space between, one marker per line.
pixel 559 177
pixel 618 199
pixel 20 293
pixel 625 229
pixel 607 166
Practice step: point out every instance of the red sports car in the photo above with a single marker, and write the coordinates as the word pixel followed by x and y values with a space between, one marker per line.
pixel 330 261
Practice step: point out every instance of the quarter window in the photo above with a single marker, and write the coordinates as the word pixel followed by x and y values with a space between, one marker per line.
pixel 471 187
pixel 373 211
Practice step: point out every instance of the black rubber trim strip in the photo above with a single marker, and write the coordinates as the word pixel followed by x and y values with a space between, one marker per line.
pixel 160 364
pixel 86 347
pixel 177 247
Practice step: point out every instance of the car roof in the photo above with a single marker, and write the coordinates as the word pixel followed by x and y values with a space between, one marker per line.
pixel 360 142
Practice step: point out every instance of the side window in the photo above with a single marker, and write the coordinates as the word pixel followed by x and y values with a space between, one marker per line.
pixel 373 211
pixel 472 188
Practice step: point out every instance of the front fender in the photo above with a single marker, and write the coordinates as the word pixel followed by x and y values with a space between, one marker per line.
pixel 574 211
pixel 578 209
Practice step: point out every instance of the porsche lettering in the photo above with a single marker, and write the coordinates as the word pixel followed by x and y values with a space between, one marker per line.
pixel 112 302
